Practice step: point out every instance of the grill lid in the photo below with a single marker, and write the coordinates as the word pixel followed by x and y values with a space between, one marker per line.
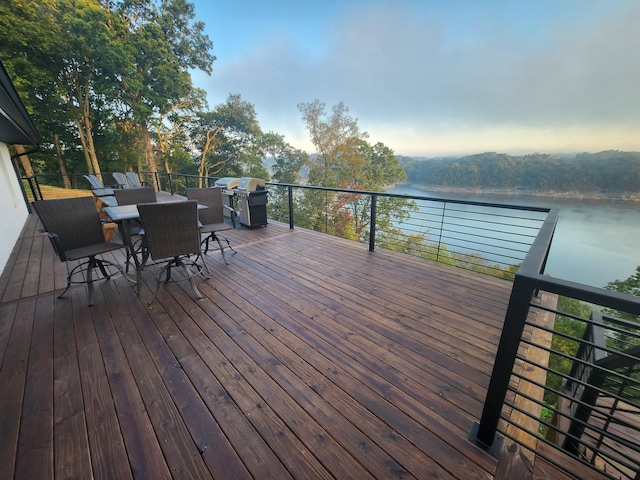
pixel 251 184
pixel 227 182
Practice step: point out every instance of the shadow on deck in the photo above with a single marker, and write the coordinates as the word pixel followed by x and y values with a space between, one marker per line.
pixel 309 357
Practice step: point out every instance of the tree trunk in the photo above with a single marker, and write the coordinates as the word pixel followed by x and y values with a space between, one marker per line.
pixel 63 167
pixel 203 168
pixel 24 160
pixel 85 147
pixel 148 154
pixel 88 128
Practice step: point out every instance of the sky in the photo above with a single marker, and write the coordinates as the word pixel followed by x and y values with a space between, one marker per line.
pixel 436 77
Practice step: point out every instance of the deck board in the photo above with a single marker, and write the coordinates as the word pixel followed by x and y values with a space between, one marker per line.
pixel 308 357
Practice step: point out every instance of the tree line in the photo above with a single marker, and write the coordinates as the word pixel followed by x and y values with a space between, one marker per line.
pixel 608 172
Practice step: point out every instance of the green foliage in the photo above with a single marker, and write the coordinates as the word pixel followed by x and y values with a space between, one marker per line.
pixel 629 286
pixel 97 74
pixel 568 326
pixel 607 172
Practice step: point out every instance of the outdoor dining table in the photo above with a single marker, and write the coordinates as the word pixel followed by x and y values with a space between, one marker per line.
pixel 123 215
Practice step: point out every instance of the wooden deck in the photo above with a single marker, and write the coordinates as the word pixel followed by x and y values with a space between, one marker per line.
pixel 309 357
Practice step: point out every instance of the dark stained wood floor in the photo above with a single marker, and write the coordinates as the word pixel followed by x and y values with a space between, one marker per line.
pixel 309 357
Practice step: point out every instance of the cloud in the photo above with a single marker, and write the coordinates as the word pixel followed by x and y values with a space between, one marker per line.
pixel 450 73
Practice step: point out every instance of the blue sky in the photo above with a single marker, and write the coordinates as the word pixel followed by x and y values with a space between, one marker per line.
pixel 442 77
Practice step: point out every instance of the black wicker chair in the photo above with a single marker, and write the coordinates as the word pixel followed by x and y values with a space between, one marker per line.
pixel 172 233
pixel 134 196
pixel 75 230
pixel 212 217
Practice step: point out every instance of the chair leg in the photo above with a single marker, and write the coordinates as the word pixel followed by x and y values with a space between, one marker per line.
pixel 190 275
pixel 70 274
pixel 221 250
pixel 67 287
pixel 158 277
pixel 206 267
pixel 206 243
pixel 90 266
pixel 228 244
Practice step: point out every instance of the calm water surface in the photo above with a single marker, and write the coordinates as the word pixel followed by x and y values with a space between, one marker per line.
pixel 596 241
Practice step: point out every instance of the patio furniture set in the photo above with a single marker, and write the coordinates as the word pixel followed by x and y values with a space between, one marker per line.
pixel 170 235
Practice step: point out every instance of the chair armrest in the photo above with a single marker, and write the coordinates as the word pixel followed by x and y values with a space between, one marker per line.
pixel 233 214
pixel 55 243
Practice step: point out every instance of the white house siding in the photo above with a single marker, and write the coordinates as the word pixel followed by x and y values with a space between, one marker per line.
pixel 12 205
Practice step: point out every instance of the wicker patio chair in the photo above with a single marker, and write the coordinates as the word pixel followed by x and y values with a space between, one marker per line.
pixel 133 179
pixel 173 238
pixel 212 218
pixel 134 196
pixel 75 230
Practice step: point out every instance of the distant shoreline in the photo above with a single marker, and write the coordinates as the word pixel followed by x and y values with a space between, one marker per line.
pixel 629 197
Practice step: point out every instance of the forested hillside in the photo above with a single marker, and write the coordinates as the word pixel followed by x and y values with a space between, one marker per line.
pixel 609 172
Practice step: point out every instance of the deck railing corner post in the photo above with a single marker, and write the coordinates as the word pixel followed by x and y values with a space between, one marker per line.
pixel 514 322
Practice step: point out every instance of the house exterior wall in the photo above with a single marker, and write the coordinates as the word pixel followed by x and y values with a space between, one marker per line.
pixel 12 205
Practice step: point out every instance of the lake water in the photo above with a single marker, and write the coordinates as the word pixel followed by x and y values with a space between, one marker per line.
pixel 596 241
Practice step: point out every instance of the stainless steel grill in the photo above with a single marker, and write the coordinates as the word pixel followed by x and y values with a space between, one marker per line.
pixel 252 202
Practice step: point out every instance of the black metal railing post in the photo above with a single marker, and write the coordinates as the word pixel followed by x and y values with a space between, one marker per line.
pixel 34 186
pixel 291 213
pixel 515 318
pixel 444 211
pixel 169 176
pixel 372 223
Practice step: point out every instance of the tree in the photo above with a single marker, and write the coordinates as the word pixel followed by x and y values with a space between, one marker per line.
pixel 625 339
pixel 336 139
pixel 34 58
pixel 91 62
pixel 285 163
pixel 164 43
pixel 172 131
pixel 345 160
pixel 227 138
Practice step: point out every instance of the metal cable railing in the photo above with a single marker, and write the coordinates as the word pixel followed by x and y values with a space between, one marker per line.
pixel 590 377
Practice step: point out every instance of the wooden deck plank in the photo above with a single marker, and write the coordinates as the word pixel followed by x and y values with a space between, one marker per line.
pixel 214 447
pixel 173 435
pixel 355 353
pixel 273 358
pixel 309 357
pixel 184 340
pixel 109 457
pixel 415 333
pixel 7 315
pixel 13 377
pixel 72 456
pixel 35 446
pixel 314 361
pixel 16 269
pixel 280 401
pixel 143 448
